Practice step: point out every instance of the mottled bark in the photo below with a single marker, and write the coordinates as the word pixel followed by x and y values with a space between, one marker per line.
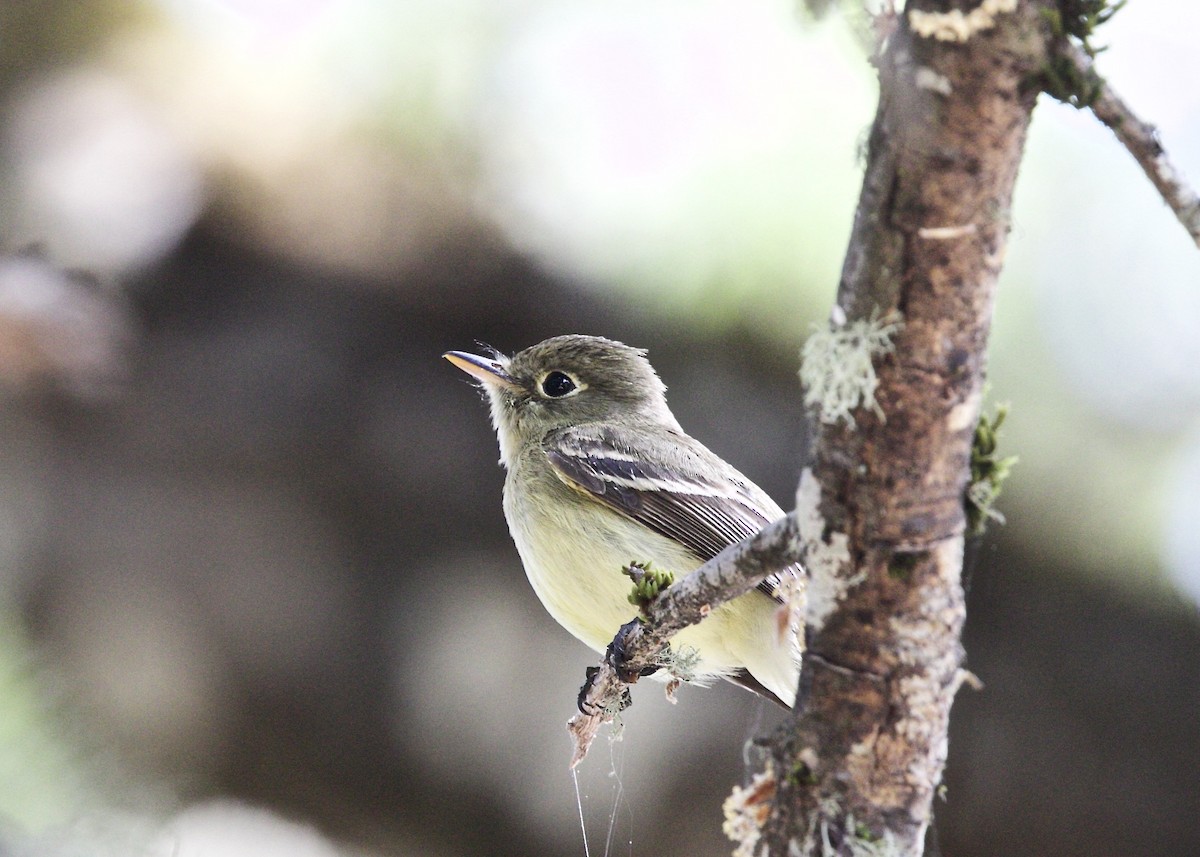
pixel 859 766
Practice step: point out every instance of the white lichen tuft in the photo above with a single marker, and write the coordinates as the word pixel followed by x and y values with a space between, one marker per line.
pixel 681 663
pixel 680 666
pixel 956 25
pixel 828 562
pixel 746 811
pixel 836 365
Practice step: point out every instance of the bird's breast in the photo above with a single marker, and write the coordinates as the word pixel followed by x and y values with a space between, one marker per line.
pixel 574 550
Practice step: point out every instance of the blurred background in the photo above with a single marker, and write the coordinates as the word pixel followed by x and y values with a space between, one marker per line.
pixel 256 592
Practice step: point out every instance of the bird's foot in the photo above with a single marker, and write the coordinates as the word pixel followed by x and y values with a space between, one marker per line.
pixel 588 709
pixel 618 654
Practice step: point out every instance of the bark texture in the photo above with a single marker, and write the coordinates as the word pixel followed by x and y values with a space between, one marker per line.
pixel 859 766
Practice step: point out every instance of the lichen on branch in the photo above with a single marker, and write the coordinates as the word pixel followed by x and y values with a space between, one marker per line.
pixel 886 496
pixel 837 364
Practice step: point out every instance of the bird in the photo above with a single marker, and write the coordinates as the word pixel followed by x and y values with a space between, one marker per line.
pixel 599 475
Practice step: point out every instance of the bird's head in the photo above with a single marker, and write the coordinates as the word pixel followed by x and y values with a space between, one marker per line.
pixel 565 381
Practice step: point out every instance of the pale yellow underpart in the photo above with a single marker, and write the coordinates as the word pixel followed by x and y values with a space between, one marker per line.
pixel 574 549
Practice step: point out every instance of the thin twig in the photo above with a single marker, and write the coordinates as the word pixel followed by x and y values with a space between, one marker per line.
pixel 733 572
pixel 1141 139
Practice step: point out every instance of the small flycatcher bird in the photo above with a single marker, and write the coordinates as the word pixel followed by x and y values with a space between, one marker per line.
pixel 600 475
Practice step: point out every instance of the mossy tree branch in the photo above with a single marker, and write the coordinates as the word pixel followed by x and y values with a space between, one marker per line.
pixel 881 513
pixel 858 767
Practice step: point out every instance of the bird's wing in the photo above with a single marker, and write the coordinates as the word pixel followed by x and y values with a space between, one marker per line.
pixel 676 499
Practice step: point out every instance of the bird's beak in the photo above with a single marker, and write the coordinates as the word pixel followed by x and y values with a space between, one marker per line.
pixel 485 369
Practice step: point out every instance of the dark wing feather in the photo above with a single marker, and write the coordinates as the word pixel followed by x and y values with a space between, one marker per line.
pixel 704 515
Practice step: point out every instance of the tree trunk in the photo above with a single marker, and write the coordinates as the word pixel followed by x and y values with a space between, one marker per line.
pixel 882 507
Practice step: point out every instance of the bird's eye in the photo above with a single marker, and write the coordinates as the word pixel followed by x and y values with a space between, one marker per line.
pixel 557 384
